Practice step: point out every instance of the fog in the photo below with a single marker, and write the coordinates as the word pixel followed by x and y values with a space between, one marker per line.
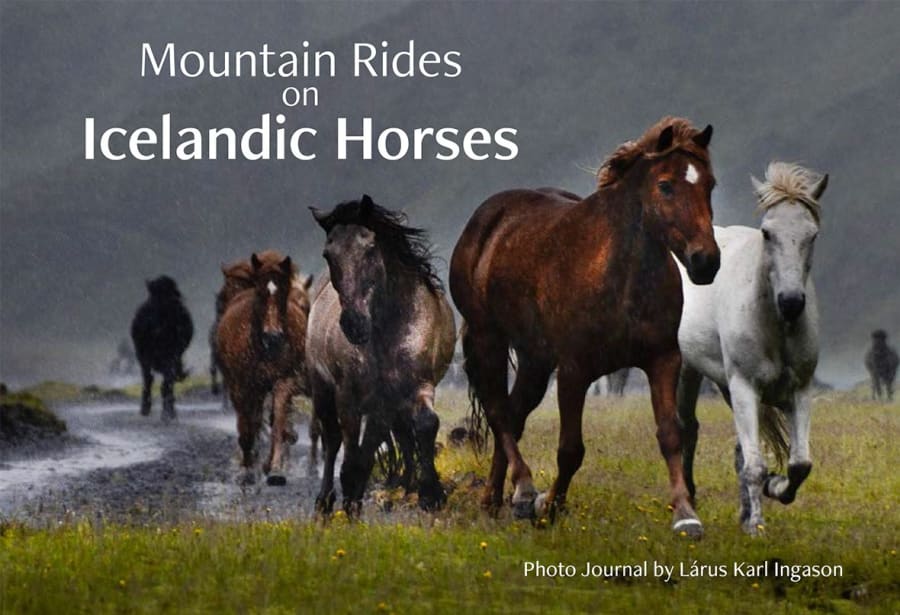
pixel 806 82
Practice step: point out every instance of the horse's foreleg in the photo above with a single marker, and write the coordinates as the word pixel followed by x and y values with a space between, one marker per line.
pixel 351 466
pixel 753 472
pixel 325 415
pixel 248 409
pixel 799 464
pixel 688 392
pixel 147 391
pixel 358 462
pixel 427 423
pixel 167 392
pixel 404 434
pixel 274 466
pixel 571 389
pixel 663 375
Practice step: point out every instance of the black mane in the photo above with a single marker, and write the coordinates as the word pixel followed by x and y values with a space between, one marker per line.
pixel 408 245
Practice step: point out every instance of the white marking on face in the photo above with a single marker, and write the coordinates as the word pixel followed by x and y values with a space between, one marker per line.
pixel 272 287
pixel 691 175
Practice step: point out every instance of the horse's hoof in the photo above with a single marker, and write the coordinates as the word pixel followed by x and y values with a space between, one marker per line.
pixel 432 499
pixel 276 480
pixel 145 410
pixel 691 527
pixel 325 503
pixel 247 478
pixel 524 507
pixel 544 508
pixel 753 528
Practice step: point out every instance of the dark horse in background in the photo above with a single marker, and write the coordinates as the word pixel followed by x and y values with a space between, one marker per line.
pixel 261 341
pixel 381 336
pixel 882 361
pixel 161 331
pixel 586 287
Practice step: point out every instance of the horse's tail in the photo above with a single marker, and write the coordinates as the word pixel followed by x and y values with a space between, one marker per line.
pixel 477 423
pixel 773 428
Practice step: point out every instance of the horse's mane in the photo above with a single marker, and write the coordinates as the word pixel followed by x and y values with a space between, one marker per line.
pixel 791 182
pixel 683 133
pixel 408 245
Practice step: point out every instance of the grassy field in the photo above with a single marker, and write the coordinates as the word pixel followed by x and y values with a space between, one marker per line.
pixel 410 562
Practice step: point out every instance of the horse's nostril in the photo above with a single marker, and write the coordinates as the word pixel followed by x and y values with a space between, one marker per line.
pixel 791 305
pixel 272 341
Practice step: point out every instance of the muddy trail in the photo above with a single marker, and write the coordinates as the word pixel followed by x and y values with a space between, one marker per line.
pixel 117 466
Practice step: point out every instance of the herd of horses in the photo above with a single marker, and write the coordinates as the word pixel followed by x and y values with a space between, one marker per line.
pixel 634 275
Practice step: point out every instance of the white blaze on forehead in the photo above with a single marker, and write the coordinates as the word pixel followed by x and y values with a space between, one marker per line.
pixel 691 175
pixel 272 287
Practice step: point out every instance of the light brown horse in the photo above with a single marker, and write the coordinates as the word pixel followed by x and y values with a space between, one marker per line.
pixel 585 286
pixel 381 338
pixel 261 341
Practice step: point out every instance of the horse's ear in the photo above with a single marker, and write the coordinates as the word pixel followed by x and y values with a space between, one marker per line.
pixel 307 283
pixel 321 217
pixel 758 186
pixel 819 188
pixel 666 137
pixel 702 138
pixel 287 265
pixel 254 260
pixel 366 205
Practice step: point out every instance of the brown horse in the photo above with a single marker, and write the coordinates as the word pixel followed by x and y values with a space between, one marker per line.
pixel 589 287
pixel 261 342
pixel 381 338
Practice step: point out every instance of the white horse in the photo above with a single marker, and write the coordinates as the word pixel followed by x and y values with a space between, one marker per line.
pixel 754 332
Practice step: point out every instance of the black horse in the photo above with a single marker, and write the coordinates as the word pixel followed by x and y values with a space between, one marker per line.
pixel 882 361
pixel 161 330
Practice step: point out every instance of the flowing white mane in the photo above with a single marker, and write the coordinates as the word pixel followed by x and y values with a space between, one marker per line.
pixel 790 182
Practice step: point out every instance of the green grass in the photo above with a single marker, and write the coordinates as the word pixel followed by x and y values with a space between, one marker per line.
pixel 55 392
pixel 460 559
pixel 18 410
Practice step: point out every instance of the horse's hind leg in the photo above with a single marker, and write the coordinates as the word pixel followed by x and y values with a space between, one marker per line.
pixel 663 374
pixel 147 391
pixel 532 377
pixel 688 392
pixel 486 367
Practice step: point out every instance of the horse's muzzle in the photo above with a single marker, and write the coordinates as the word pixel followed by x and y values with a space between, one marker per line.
pixel 791 305
pixel 703 266
pixel 356 328
pixel 272 342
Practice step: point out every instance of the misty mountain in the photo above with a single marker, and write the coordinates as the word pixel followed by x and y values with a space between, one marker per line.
pixel 814 83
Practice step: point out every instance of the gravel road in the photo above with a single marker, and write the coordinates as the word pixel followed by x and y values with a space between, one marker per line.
pixel 115 465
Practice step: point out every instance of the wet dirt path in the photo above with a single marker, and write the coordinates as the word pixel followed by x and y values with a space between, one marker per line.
pixel 115 465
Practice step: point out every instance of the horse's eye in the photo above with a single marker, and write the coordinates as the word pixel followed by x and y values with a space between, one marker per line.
pixel 766 235
pixel 666 188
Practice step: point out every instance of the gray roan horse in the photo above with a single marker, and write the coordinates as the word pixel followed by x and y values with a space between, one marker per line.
pixel 755 333
pixel 381 336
